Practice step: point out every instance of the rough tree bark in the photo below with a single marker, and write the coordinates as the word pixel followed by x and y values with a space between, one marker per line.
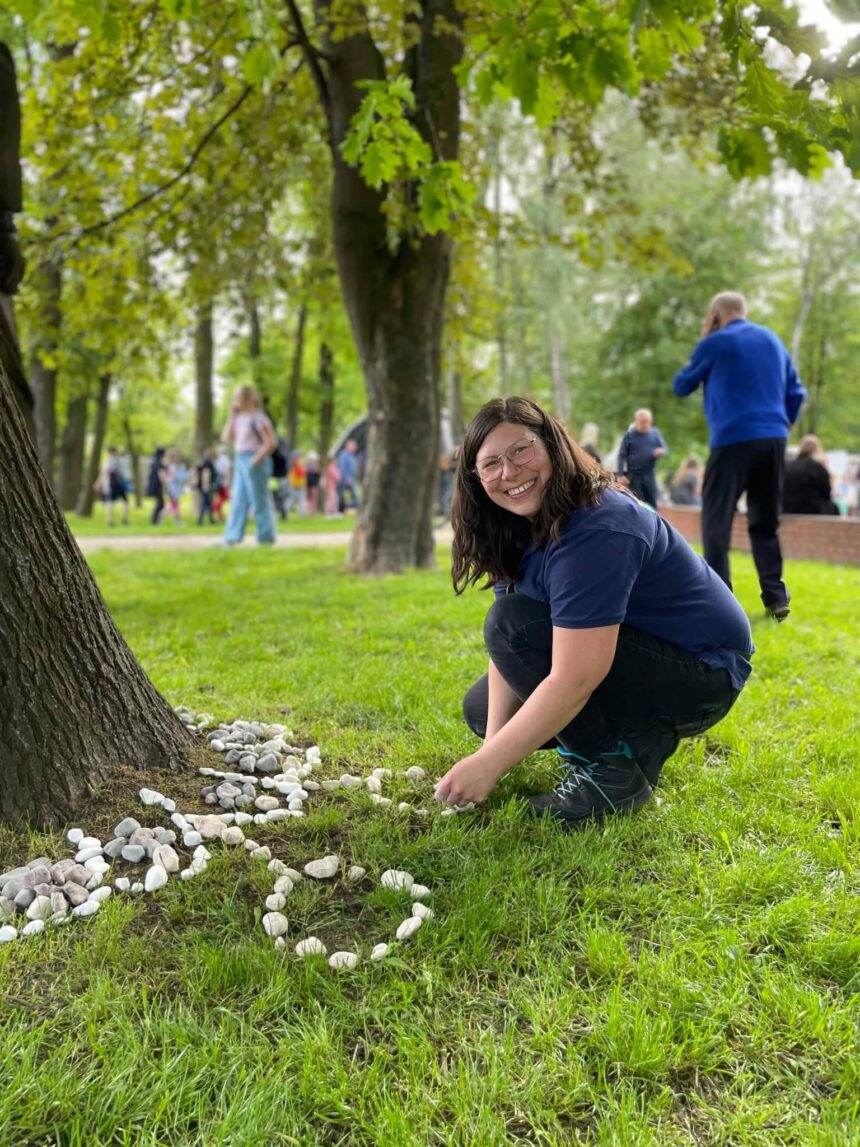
pixel 84 508
pixel 72 446
pixel 326 381
pixel 203 353
pixel 292 412
pixel 394 299
pixel 43 374
pixel 74 702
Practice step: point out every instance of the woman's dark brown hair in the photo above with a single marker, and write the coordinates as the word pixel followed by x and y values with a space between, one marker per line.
pixel 489 540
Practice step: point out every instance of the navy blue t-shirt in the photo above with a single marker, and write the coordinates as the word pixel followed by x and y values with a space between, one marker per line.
pixel 620 562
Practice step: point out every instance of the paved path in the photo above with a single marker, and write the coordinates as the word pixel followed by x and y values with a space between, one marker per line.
pixel 442 535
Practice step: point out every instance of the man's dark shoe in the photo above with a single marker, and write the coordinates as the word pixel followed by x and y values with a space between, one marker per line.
pixel 779 612
pixel 593 789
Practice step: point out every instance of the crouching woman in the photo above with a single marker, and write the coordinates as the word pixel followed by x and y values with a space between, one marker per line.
pixel 609 638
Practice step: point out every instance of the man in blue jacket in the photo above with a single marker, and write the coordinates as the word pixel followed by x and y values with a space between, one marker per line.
pixel 638 453
pixel 752 398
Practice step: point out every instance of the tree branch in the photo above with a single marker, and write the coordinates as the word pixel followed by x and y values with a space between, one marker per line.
pixel 312 55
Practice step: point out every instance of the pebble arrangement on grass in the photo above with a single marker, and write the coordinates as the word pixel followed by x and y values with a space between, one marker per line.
pixel 50 892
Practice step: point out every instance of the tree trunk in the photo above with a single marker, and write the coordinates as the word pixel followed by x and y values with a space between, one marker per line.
pixel 134 458
pixel 48 281
pixel 292 412
pixel 203 353
pixel 84 507
pixel 455 404
pixel 72 452
pixel 74 702
pixel 395 300
pixel 326 381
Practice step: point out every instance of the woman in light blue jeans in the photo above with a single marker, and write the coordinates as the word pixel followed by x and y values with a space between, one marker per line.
pixel 251 433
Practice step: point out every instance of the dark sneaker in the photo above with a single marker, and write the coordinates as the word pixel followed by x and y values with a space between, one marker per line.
pixel 779 612
pixel 593 789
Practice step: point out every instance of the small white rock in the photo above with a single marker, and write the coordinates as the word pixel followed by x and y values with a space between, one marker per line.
pixel 192 838
pixel 354 873
pixel 201 852
pixel 40 909
pixel 167 856
pixel 275 902
pixel 348 781
pixel 168 804
pixel 404 806
pixel 156 877
pixel 409 927
pixel 342 960
pixel 261 853
pixel 275 924
pixel 415 773
pixel 309 947
pixel 284 885
pixel 151 797
pixel 324 868
pixel 136 888
pixel 122 884
pixel 280 943
pixel 277 866
pixel 381 774
pixel 73 836
pixel 88 908
pixel 373 784
pixel 448 811
pixel 377 799
pixel 421 910
pixel 419 891
pixel 233 835
pixel 102 894
pixel 277 814
pixel 95 881
pixel 396 878
pixel 34 927
pixel 8 933
pixel 380 951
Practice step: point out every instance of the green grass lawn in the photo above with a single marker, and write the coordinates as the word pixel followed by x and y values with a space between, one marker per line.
pixel 687 975
pixel 139 522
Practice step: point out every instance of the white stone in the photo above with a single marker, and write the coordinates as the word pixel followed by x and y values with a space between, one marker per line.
pixel 295 812
pixel 227 818
pixel 277 814
pixel 261 853
pixel 97 864
pixel 156 877
pixel 421 910
pixel 151 797
pixel 419 891
pixel 217 746
pixel 243 818
pixel 396 878
pixel 192 838
pixel 266 804
pixel 122 884
pixel 88 908
pixel 284 885
pixel 210 827
pixel 287 788
pixel 415 773
pixel 168 804
pixel 201 852
pixel 381 774
pixel 33 928
pixel 409 927
pixel 373 784
pixel 280 943
pixel 404 806
pixel 348 781
pixel 277 866
pixel 8 933
pixel 377 799
pixel 309 947
pixel 198 865
pixel 89 842
pixel 312 786
pixel 40 909
pixel 422 812
pixel 74 836
pixel 295 805
pixel 95 881
pixel 136 888
pixel 380 951
pixel 354 873
pixel 233 836
pixel 180 821
pixel 102 894
pixel 324 868
pixel 86 854
pixel 275 924
pixel 261 818
pixel 167 856
pixel 330 786
pixel 275 902
pixel 187 874
pixel 342 960
pixel 448 811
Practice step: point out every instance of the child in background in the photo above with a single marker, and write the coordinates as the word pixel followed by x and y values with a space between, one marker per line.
pixel 312 483
pixel 332 482
pixel 297 478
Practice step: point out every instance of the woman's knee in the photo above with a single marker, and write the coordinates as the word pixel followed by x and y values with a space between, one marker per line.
pixel 509 618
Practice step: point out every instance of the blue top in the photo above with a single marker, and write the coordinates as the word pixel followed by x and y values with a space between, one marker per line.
pixel 620 562
pixel 346 465
pixel 636 452
pixel 751 387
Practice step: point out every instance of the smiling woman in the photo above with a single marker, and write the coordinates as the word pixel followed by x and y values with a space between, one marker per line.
pixel 609 638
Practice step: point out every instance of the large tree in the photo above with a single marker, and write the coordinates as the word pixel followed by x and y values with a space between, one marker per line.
pixel 74 702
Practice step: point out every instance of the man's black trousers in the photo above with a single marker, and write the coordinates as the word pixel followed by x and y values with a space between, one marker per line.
pixel 643 483
pixel 654 694
pixel 756 467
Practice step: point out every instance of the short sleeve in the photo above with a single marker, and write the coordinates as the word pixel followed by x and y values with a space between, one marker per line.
pixel 590 575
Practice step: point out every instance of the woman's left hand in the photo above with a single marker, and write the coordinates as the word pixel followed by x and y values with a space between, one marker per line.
pixel 469 780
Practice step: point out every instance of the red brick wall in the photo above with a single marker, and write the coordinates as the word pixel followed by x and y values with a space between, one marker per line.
pixel 815 536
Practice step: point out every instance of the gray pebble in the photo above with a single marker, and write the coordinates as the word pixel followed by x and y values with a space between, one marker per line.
pixel 114 847
pixel 133 853
pixel 77 874
pixel 25 898
pixel 40 874
pixel 126 827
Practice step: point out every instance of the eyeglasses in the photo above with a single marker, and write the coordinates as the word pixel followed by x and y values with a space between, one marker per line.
pixel 522 452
